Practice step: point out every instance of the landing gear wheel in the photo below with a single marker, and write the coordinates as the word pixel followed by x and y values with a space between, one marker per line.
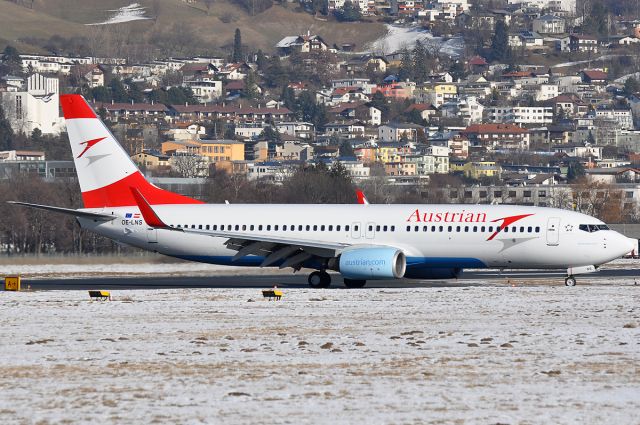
pixel 570 281
pixel 319 279
pixel 354 283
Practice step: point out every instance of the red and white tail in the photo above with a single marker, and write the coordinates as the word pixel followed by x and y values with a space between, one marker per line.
pixel 105 171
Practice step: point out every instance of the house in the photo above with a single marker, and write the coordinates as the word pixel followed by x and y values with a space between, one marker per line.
pixel 594 76
pixel 122 110
pixel 34 105
pixel 22 155
pixel 579 150
pixel 222 150
pixel 395 132
pixel 426 110
pixel 497 136
pixel 358 111
pixel 549 24
pixel 302 130
pixel 347 130
pixel 522 114
pixel 91 75
pixel 570 104
pixel 583 43
pixel 293 151
pixel 478 65
pixel 436 94
pixel 367 63
pixel 151 159
pixel 301 44
pixel 526 39
pixel 234 71
pixel 621 116
pixel 613 175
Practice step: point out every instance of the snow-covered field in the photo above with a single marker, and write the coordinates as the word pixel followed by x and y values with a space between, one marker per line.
pixel 521 355
pixel 399 37
pixel 133 12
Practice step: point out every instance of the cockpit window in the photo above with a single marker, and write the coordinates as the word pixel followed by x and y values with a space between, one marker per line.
pixel 593 227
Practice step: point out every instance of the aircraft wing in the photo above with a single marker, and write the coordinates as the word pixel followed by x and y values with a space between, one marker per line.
pixel 291 252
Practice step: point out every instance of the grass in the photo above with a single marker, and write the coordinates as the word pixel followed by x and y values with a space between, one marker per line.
pixel 67 18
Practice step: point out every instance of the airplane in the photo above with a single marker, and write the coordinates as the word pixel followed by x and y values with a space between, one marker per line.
pixel 361 242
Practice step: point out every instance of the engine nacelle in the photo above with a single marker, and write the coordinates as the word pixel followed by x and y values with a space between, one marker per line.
pixel 372 263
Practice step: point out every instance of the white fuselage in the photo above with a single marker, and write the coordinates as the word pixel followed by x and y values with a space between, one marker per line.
pixel 438 236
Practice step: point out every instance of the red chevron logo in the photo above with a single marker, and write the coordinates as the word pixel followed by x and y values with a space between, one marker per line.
pixel 506 221
pixel 89 144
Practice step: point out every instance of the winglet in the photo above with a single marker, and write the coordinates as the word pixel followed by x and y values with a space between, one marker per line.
pixel 361 198
pixel 149 215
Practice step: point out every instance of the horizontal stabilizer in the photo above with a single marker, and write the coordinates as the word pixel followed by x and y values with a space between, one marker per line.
pixel 68 211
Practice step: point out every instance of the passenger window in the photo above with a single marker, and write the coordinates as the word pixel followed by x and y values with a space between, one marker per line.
pixel 458 229
pixel 268 227
pixel 425 228
pixel 346 228
pixel 377 228
pixel 441 229
pixel 338 228
pixel 466 229
pixel 322 228
pixel 307 227
pixel 417 228
pixel 370 228
pixel 450 228
pixel 408 228
pixel 482 229
pixel 260 227
pixel 506 230
pixel 244 227
pixel 300 227
pixel 251 227
pixel 475 229
pixel 491 229
pixel 315 227
pixel 355 228
pixel 393 228
pixel 537 229
pixel 237 227
pixel 275 227
pixel 384 228
pixel 330 227
pixel 206 227
pixel 529 229
pixel 433 228
pixel 514 229
pixel 284 227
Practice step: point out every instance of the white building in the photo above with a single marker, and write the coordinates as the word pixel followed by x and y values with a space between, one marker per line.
pixel 622 117
pixel 303 130
pixel 470 110
pixel 568 6
pixel 522 115
pixel 36 105
pixel 205 90
pixel 549 24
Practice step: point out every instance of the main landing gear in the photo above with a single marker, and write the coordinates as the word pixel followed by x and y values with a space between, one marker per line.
pixel 570 281
pixel 319 279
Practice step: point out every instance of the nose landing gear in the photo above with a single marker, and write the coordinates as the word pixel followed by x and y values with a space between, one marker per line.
pixel 570 281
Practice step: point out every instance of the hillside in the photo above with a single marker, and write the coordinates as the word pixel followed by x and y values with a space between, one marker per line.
pixel 69 18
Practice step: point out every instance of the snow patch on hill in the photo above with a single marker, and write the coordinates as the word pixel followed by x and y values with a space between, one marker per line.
pixel 133 12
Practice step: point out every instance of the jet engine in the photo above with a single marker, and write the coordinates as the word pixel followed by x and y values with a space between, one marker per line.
pixel 372 263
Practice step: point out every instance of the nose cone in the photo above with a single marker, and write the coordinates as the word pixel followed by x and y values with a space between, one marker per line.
pixel 624 245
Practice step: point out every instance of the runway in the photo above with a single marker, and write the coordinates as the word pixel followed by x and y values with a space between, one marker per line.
pixel 470 278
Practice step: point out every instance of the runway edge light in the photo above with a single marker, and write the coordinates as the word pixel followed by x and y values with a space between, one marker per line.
pixel 12 283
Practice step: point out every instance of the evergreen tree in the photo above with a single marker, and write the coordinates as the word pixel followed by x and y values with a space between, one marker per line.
pixel 500 50
pixel 275 75
pixel 346 150
pixel 288 98
pixel 420 62
pixel 118 92
pixel 237 47
pixel 11 62
pixel 379 101
pixel 631 86
pixel 6 132
pixel 406 65
pixel 261 60
pixel 350 12
pixel 250 86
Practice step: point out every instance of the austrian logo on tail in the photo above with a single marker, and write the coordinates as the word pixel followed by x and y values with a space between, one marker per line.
pixel 89 144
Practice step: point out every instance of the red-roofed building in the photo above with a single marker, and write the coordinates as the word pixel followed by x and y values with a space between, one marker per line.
pixel 497 136
pixel 478 65
pixel 231 113
pixel 115 111
pixel 594 76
